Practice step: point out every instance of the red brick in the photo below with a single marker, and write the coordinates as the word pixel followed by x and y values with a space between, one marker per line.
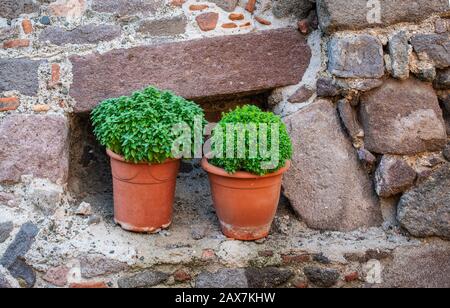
pixel 251 5
pixel 247 24
pixel 198 7
pixel 295 258
pixel 303 26
pixel 27 26
pixel 56 75
pixel 230 25
pixel 236 16
pixel 182 276
pixel 9 103
pixel 19 43
pixel 178 3
pixel 207 21
pixel 352 277
pixel 89 285
pixel 263 21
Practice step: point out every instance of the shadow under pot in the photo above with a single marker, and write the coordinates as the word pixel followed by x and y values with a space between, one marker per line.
pixel 143 193
pixel 246 204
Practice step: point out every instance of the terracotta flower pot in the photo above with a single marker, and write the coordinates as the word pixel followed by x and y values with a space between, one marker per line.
pixel 245 203
pixel 143 194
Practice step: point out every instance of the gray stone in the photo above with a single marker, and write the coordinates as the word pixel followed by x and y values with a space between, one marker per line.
pixel 269 277
pixel 402 117
pixel 389 211
pixel 36 145
pixel 336 15
pixel 327 87
pixel 20 246
pixel 188 69
pixel 425 210
pixel 399 54
pixel 359 84
pixel 168 26
pixel 5 230
pixel 322 277
pixel 45 195
pixel 224 278
pixel 23 272
pixel 227 5
pixel 356 56
pixel 393 176
pixel 296 8
pixel 436 47
pixel 4 283
pixel 97 265
pixel 442 81
pixel 88 34
pixel 20 75
pixel 145 279
pixel 7 33
pixel 425 266
pixel 446 152
pixel 327 186
pixel 349 118
pixel 367 159
pixel 127 7
pixel 11 9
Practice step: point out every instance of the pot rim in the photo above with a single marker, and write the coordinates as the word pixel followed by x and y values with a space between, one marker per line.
pixel 241 174
pixel 118 157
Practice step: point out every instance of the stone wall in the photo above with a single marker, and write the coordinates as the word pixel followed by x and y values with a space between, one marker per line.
pixel 363 87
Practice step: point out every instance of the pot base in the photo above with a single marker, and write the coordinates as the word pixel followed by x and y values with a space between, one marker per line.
pixel 245 233
pixel 149 230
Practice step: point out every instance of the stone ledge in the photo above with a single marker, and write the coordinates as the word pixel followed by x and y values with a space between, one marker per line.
pixel 199 69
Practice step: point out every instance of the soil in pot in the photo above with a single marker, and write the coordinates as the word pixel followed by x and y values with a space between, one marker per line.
pixel 143 193
pixel 245 203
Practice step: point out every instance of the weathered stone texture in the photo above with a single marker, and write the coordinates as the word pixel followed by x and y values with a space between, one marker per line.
pixel 393 176
pixel 163 27
pixel 224 278
pixel 356 56
pixel 5 230
pixel 322 277
pixel 127 7
pixel 399 55
pixel 145 279
pixel 207 68
pixel 425 210
pixel 436 47
pixel 296 8
pixel 337 15
pixel 97 265
pixel 327 185
pixel 20 75
pixel 227 5
pixel 11 9
pixel 34 144
pixel 270 277
pixel 89 34
pixel 442 81
pixel 402 117
pixel 424 266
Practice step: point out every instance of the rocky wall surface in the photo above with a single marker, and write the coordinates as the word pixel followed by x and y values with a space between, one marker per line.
pixel 363 87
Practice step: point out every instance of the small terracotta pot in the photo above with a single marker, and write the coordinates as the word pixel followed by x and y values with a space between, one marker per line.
pixel 245 203
pixel 143 193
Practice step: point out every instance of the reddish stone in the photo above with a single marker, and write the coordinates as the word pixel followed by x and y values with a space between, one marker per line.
pixel 41 108
pixel 251 5
pixel 68 8
pixel 230 25
pixel 89 285
pixel 236 16
pixel 178 3
pixel 301 285
pixel 208 254
pixel 266 253
pixel 242 64
pixel 9 103
pixel 19 43
pixel 301 95
pixel 198 7
pixel 27 26
pixel 263 21
pixel 56 75
pixel 57 276
pixel 352 277
pixel 182 276
pixel 247 24
pixel 303 26
pixel 207 21
pixel 295 258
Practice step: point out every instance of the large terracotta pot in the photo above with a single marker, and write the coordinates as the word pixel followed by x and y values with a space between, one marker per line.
pixel 143 193
pixel 245 203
